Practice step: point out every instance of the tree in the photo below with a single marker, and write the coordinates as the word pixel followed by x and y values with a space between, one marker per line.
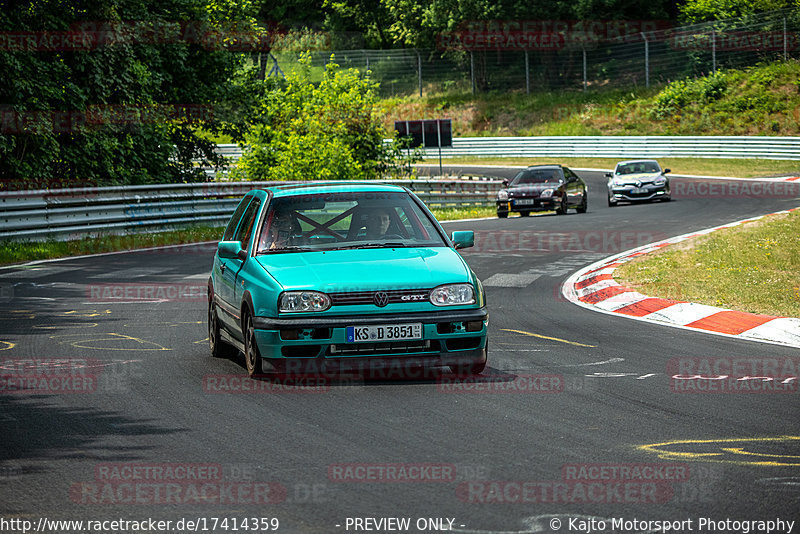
pixel 328 131
pixel 112 91
pixel 695 11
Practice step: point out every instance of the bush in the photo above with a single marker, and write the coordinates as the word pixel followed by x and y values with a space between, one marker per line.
pixel 328 131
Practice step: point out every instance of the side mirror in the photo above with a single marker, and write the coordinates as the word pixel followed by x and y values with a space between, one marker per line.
pixel 505 182
pixel 665 171
pixel 464 239
pixel 231 249
pixel 609 175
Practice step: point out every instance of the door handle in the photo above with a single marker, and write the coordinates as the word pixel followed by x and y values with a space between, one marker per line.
pixel 222 268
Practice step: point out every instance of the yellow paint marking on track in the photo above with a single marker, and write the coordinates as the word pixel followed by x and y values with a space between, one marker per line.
pixel 88 313
pixel 728 455
pixel 7 345
pixel 112 336
pixel 740 450
pixel 548 337
pixel 63 325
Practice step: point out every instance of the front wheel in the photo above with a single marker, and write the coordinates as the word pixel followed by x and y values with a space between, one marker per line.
pixel 252 358
pixel 611 203
pixel 584 205
pixel 502 214
pixel 472 368
pixel 562 208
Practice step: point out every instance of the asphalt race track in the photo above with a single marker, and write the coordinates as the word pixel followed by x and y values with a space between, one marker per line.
pixel 127 416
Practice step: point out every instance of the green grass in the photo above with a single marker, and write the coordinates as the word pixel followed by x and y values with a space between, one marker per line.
pixel 24 251
pixel 753 267
pixel 739 168
pixel 761 100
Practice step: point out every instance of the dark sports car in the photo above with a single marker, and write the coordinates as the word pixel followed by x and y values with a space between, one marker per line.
pixel 542 188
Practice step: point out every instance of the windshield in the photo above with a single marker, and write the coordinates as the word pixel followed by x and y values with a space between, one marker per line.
pixel 334 221
pixel 537 176
pixel 638 167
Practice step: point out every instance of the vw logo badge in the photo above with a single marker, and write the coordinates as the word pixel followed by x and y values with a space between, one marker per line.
pixel 380 299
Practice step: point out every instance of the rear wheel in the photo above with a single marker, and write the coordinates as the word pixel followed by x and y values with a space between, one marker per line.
pixel 252 358
pixel 502 214
pixel 219 349
pixel 524 213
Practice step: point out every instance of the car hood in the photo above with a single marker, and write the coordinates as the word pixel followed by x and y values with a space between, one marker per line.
pixel 644 177
pixel 532 188
pixel 367 269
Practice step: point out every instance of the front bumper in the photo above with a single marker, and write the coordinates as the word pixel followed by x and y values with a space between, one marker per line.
pixel 448 337
pixel 528 204
pixel 631 194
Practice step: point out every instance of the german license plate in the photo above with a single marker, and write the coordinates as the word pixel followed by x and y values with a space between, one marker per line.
pixel 638 190
pixel 383 332
pixel 524 202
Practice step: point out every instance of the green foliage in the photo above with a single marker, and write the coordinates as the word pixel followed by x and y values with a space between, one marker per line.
pixel 329 131
pixel 679 94
pixel 124 110
pixel 695 11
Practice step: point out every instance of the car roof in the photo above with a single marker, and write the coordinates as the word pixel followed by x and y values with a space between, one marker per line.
pixel 548 167
pixel 306 188
pixel 638 161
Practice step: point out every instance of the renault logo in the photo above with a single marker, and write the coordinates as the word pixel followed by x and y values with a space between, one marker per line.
pixel 380 299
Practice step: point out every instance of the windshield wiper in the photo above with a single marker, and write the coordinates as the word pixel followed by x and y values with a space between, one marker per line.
pixel 285 249
pixel 387 244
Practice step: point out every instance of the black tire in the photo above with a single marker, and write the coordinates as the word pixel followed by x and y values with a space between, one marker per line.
pixel 471 369
pixel 611 203
pixel 219 349
pixel 502 214
pixel 584 205
pixel 252 359
pixel 524 213
pixel 666 199
pixel 562 209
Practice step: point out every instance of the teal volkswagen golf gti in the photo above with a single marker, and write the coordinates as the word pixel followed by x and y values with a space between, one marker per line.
pixel 344 277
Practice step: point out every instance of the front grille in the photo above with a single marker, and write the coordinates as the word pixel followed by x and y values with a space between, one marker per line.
pixel 368 349
pixel 368 297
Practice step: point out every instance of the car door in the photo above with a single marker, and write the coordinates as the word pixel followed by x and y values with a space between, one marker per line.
pixel 231 267
pixel 222 290
pixel 574 188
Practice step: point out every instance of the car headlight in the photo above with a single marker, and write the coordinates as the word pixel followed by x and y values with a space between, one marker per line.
pixel 502 195
pixel 660 181
pixel 303 301
pixel 547 193
pixel 453 295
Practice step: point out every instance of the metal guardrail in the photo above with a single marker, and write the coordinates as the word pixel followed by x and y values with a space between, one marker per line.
pixel 622 147
pixel 63 214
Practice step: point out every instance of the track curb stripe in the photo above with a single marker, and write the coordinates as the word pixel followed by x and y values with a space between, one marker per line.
pixel 594 287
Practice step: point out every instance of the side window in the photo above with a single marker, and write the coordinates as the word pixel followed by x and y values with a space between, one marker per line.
pixel 237 215
pixel 248 221
pixel 569 175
